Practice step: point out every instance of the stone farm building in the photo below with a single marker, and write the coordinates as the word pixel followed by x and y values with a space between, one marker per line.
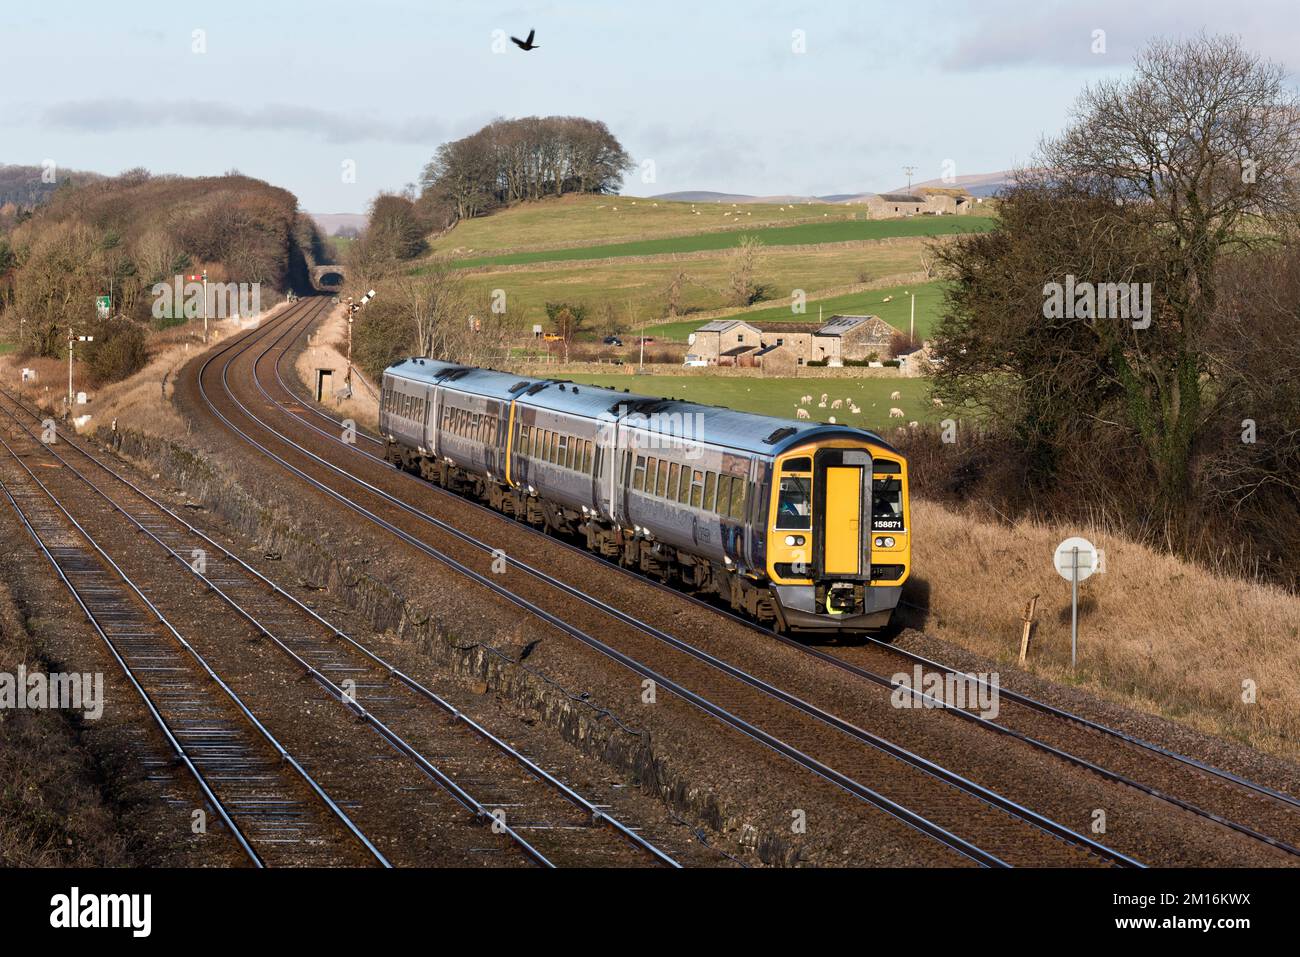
pixel 781 347
pixel 888 205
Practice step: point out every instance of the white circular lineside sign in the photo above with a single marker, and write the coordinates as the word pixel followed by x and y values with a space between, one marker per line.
pixel 1064 558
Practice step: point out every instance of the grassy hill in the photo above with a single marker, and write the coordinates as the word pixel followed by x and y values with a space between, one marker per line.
pixel 583 219
pixel 804 234
pixel 643 284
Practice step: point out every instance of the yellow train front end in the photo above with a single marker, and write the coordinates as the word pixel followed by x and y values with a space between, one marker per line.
pixel 838 546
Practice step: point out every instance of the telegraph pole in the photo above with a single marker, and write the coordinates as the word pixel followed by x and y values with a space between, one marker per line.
pixel 909 170
pixel 205 307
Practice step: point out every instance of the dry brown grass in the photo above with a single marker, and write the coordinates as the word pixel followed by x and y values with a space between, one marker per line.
pixel 52 813
pixel 328 350
pixel 1156 633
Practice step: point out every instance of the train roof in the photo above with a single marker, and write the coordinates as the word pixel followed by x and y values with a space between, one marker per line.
pixel 716 425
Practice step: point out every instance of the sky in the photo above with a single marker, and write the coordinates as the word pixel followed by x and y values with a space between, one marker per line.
pixel 751 97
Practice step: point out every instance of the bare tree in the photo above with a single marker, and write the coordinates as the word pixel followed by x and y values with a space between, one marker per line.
pixel 1156 179
pixel 742 287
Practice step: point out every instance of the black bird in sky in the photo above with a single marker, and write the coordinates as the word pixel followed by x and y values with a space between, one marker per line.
pixel 526 44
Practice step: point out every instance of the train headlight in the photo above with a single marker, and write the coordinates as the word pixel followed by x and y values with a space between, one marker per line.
pixel 885 542
pixel 794 541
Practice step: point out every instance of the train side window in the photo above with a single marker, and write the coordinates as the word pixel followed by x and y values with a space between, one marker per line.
pixel 553 453
pixel 661 483
pixel 697 488
pixel 561 457
pixel 674 476
pixel 684 488
pixel 571 453
pixel 536 450
pixel 638 474
pixel 724 495
pixel 738 489
pixel 523 439
pixel 651 470
pixel 710 484
pixel 588 457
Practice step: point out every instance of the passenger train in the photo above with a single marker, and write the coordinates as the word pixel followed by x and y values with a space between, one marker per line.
pixel 799 525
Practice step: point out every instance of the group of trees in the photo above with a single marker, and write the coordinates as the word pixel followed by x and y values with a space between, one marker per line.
pixel 1179 182
pixel 528 158
pixel 430 313
pixel 125 234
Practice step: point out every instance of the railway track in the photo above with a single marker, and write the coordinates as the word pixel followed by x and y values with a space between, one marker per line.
pixel 975 821
pixel 1261 813
pixel 272 807
pixel 515 796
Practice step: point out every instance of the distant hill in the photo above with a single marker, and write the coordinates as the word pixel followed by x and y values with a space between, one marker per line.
pixel 331 223
pixel 977 184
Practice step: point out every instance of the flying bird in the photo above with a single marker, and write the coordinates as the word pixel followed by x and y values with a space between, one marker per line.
pixel 526 44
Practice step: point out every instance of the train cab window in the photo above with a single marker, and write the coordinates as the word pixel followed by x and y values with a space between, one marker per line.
pixel 710 484
pixel 697 488
pixel 794 506
pixel 638 474
pixel 887 501
pixel 738 486
pixel 661 484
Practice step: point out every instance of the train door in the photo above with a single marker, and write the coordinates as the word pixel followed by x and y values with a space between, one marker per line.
pixel 842 515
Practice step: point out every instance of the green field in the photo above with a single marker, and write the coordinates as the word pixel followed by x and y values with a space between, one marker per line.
pixel 831 231
pixel 929 300
pixel 574 219
pixel 644 283
pixel 780 397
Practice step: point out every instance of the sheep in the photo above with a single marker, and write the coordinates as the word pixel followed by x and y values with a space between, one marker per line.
pixel 821 404
pixel 823 398
pixel 895 395
pixel 855 410
pixel 888 299
pixel 938 403
pixel 805 400
pixel 802 414
pixel 895 413
pixel 914 425
pixel 837 404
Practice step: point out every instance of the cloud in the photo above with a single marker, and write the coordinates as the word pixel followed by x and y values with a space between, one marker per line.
pixel 114 115
pixel 1002 33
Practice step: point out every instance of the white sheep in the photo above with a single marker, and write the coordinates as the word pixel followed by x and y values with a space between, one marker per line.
pixel 837 404
pixel 821 404
pixel 914 425
pixel 823 398
pixel 938 403
pixel 895 395
pixel 855 410
pixel 802 414
pixel 895 413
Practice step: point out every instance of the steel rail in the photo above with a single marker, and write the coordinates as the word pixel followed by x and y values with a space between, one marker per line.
pixel 216 679
pixel 467 800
